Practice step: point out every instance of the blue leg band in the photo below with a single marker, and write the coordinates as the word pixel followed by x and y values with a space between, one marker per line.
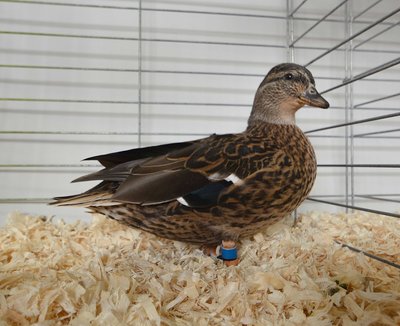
pixel 228 254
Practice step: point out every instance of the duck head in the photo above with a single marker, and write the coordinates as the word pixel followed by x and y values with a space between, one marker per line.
pixel 286 88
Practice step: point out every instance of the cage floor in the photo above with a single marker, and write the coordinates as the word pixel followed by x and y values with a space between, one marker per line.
pixel 103 273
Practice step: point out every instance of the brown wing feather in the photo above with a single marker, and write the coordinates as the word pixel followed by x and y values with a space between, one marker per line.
pixel 162 178
pixel 159 187
pixel 113 159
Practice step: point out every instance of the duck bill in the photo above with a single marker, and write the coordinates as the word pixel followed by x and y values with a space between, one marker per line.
pixel 312 98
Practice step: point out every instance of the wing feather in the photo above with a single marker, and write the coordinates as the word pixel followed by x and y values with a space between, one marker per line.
pixel 113 159
pixel 156 188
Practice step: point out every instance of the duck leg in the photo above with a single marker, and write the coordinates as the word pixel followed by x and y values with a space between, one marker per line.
pixel 229 253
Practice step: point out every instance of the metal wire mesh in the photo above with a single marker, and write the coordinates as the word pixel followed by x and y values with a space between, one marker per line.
pixel 369 37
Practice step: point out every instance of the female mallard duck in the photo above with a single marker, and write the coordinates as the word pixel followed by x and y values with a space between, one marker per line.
pixel 220 188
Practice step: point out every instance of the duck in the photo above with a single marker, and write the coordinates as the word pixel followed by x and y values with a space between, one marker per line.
pixel 216 190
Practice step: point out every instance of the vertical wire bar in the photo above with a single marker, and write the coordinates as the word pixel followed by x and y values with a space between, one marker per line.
pixel 351 104
pixel 139 139
pixel 290 52
pixel 346 106
pixel 290 30
pixel 349 134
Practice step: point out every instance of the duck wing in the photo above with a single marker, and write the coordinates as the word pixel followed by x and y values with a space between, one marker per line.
pixel 194 173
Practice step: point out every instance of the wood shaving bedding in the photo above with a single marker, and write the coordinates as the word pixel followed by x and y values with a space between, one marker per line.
pixel 102 273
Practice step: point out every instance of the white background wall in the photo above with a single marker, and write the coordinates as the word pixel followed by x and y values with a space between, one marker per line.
pixel 37 93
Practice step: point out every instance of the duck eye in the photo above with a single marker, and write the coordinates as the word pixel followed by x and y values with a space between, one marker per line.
pixel 288 76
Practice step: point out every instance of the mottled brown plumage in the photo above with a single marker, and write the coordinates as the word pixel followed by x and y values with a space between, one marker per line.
pixel 218 188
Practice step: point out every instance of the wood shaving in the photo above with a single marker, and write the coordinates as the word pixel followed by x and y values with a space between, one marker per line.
pixel 103 273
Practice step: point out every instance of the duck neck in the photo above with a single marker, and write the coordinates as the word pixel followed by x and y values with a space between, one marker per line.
pixel 268 108
pixel 273 118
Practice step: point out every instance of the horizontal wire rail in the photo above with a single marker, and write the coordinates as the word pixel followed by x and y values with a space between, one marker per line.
pixel 153 71
pixel 111 133
pixel 378 198
pixel 382 117
pixel 25 200
pixel 199 42
pixel 352 37
pixel 361 137
pixel 358 208
pixel 351 123
pixel 377 100
pixel 219 13
pixel 365 74
pixel 128 133
pixel 177 104
pixel 366 253
pixel 185 11
pixel 212 73
pixel 376 133
pixel 157 40
pixel 366 10
pixel 46 199
pixel 99 133
pixel 313 196
pixel 376 195
pixel 376 35
pixel 384 166
pixel 317 23
pixel 55 100
pixel 50 165
pixel 123 102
